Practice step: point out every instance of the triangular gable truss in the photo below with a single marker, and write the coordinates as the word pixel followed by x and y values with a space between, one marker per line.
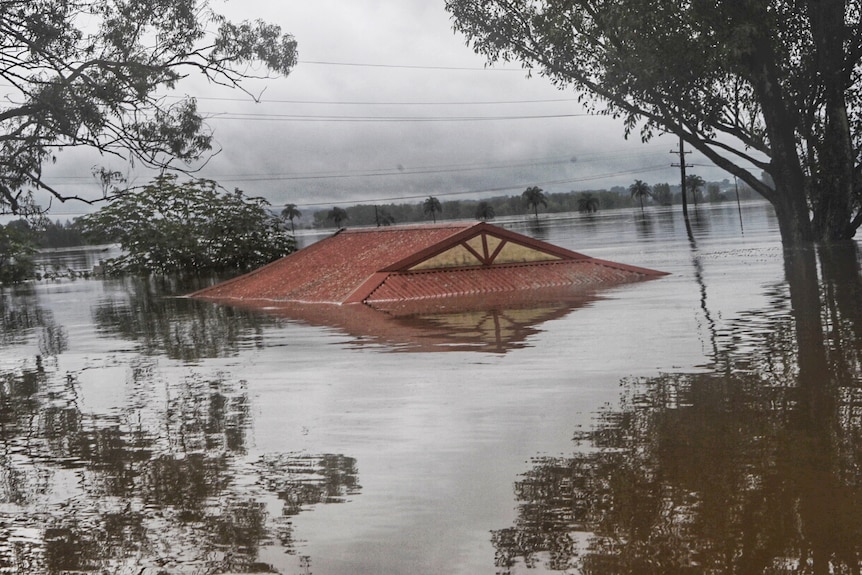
pixel 480 246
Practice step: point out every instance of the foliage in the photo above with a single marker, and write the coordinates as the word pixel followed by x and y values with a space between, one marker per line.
pixel 713 193
pixel 92 73
pixel 661 193
pixel 754 85
pixel 534 197
pixel 639 190
pixel 693 184
pixel 291 212
pixel 57 234
pixel 485 211
pixel 171 227
pixel 432 206
pixel 17 249
pixel 384 218
pixel 588 203
pixel 511 206
pixel 337 216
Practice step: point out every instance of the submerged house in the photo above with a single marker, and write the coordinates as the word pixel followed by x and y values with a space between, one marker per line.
pixel 405 270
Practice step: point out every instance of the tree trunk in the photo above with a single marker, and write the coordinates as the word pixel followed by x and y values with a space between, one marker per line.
pixel 791 208
pixel 832 194
pixel 789 196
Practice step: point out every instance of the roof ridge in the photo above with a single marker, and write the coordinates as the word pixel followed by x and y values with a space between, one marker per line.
pixel 411 226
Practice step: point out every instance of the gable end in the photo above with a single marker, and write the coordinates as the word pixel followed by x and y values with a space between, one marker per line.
pixel 483 245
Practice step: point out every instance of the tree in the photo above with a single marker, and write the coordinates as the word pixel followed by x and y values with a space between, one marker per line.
pixel 94 74
pixel 639 190
pixel 694 183
pixel 383 217
pixel 290 212
pixel 661 194
pixel 337 216
pixel 170 227
pixel 17 249
pixel 588 203
pixel 432 206
pixel 485 211
pixel 713 193
pixel 755 85
pixel 534 197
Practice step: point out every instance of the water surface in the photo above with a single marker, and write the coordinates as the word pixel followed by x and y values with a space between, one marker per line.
pixel 705 421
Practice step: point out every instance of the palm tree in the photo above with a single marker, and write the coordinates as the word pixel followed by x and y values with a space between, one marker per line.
pixel 533 196
pixel 639 189
pixel 694 182
pixel 289 213
pixel 588 203
pixel 485 211
pixel 337 216
pixel 432 206
pixel 383 217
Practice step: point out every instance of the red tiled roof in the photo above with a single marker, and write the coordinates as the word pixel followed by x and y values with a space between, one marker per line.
pixel 384 266
pixel 425 285
pixel 330 270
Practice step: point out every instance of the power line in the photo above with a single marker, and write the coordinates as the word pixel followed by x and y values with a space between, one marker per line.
pixel 409 66
pixel 391 171
pixel 487 190
pixel 385 172
pixel 374 103
pixel 386 119
pixel 398 171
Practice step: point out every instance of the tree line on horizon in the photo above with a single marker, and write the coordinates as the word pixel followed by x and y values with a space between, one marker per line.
pixel 170 234
pixel 617 197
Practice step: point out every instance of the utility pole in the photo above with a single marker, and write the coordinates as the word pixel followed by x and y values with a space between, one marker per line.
pixel 681 165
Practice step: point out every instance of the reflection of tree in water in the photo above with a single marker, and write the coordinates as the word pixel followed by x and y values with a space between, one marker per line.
pixel 300 481
pixel 146 311
pixel 160 485
pixel 754 467
pixel 21 316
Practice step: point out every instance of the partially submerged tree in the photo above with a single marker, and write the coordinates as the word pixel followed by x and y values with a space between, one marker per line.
pixel 291 212
pixel 694 183
pixel 169 227
pixel 588 203
pixel 17 248
pixel 640 190
pixel 337 216
pixel 661 194
pixel 485 211
pixel 754 85
pixel 534 197
pixel 95 74
pixel 432 206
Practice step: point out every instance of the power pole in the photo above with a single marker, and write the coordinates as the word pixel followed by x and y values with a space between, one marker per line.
pixel 681 165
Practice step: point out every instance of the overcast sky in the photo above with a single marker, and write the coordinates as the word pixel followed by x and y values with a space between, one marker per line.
pixel 387 103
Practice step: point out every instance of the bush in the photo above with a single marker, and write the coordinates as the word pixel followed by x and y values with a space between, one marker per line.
pixel 16 253
pixel 170 227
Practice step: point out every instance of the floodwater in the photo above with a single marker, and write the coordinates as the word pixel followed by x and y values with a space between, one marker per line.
pixel 708 421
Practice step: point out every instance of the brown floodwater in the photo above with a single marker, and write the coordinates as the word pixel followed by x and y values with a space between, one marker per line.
pixel 707 421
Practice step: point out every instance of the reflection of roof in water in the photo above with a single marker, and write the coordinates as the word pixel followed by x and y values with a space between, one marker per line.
pixel 462 324
pixel 401 269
